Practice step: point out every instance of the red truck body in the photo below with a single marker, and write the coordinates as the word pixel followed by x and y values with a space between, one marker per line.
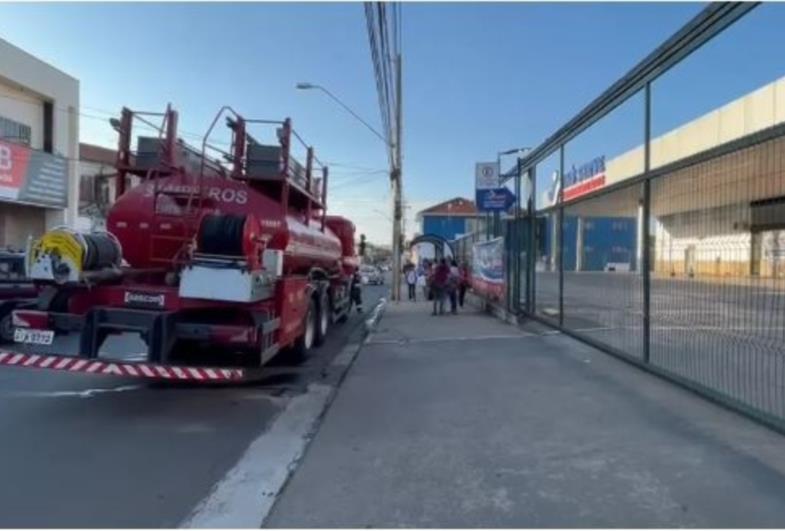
pixel 204 313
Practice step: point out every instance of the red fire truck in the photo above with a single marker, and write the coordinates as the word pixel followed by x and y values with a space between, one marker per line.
pixel 218 258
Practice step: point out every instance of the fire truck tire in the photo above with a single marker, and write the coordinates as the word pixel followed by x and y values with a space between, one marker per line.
pixel 323 322
pixel 6 328
pixel 303 345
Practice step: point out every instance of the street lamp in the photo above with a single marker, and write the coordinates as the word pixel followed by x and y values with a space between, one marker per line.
pixel 311 86
pixel 395 171
pixel 513 151
pixel 520 150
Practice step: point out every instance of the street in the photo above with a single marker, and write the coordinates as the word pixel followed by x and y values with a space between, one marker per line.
pixel 84 451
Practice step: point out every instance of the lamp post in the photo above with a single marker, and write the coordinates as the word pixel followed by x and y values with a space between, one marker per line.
pixel 394 145
pixel 313 86
pixel 514 151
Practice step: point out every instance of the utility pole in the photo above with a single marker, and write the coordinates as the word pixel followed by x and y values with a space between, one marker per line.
pixel 395 179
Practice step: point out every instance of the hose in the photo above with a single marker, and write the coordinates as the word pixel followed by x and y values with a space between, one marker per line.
pixel 100 250
pixel 222 234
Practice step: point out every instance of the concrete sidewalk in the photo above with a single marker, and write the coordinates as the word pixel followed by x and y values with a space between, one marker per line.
pixel 463 421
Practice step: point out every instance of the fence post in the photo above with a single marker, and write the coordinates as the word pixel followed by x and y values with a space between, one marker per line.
pixel 560 255
pixel 516 241
pixel 531 255
pixel 645 232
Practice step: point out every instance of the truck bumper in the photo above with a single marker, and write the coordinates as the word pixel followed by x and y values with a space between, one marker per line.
pixel 122 368
pixel 160 330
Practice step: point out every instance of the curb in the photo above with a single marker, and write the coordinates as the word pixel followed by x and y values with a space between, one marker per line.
pixel 376 315
pixel 344 359
pixel 247 494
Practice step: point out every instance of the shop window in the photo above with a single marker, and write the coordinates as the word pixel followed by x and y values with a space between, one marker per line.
pixel 12 131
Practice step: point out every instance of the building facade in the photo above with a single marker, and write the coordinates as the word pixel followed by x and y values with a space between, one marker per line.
pixel 724 217
pixel 97 176
pixel 39 139
pixel 451 219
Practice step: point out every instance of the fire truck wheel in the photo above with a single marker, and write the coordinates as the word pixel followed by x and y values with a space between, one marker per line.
pixel 7 328
pixel 305 342
pixel 323 324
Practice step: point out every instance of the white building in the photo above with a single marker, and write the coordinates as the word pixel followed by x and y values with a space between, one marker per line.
pixel 723 217
pixel 96 185
pixel 39 146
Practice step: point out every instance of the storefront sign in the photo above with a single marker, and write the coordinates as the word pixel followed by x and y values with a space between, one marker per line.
pixel 584 179
pixel 30 176
pixel 488 269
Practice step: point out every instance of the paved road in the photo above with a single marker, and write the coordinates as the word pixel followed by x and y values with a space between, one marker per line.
pixel 86 451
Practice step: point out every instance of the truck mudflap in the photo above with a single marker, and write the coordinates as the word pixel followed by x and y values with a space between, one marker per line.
pixel 123 368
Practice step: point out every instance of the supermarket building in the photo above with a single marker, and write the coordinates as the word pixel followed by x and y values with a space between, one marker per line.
pixel 724 217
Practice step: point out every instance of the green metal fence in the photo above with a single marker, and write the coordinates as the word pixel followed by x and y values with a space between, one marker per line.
pixel 668 249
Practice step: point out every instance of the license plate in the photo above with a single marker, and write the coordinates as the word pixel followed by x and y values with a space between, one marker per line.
pixel 34 337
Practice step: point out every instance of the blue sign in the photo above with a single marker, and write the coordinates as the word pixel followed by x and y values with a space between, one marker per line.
pixel 494 200
pixel 584 172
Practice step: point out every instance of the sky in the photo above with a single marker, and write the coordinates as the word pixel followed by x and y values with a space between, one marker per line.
pixel 477 78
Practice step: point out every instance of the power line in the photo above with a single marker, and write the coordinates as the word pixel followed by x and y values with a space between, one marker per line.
pixel 363 168
pixel 356 182
pixel 146 127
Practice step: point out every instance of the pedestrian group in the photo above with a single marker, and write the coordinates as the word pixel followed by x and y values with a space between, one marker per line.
pixel 445 280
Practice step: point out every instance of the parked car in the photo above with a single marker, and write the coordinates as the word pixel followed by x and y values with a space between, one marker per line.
pixel 371 275
pixel 12 265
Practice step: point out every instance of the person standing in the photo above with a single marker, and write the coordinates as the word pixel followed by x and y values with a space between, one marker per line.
pixel 422 282
pixel 464 283
pixel 356 291
pixel 428 278
pixel 411 282
pixel 440 277
pixel 453 284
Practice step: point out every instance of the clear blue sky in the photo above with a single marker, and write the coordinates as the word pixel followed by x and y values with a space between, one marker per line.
pixel 477 77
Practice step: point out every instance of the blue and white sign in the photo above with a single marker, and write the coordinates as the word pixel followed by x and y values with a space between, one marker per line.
pixel 490 195
pixel 486 175
pixel 494 199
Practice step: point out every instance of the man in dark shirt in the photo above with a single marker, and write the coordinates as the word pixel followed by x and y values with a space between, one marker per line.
pixel 441 275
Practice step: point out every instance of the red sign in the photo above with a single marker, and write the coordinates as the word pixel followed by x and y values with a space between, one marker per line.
pixel 13 168
pixel 32 176
pixel 584 187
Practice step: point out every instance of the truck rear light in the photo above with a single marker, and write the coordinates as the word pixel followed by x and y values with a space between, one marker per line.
pixel 30 319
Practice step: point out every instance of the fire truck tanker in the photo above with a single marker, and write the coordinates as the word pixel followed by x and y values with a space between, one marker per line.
pixel 217 258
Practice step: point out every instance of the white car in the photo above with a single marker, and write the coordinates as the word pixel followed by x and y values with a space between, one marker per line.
pixel 371 275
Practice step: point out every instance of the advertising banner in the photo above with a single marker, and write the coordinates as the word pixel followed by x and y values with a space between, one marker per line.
pixel 34 177
pixel 494 200
pixel 488 269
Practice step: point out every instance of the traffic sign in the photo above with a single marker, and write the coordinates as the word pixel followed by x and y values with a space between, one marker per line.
pixel 494 199
pixel 486 175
